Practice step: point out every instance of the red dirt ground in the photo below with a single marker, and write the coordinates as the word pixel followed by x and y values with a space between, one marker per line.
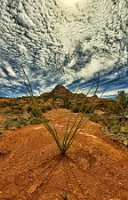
pixel 2 119
pixel 31 167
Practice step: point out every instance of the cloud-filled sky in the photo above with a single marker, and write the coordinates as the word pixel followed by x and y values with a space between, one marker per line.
pixel 76 43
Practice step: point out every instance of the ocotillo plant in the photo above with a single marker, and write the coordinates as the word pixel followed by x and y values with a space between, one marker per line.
pixel 71 130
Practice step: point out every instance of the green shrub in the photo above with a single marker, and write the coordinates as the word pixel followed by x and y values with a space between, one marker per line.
pixel 84 108
pixel 44 109
pixel 76 109
pixel 15 123
pixel 48 107
pixel 114 107
pixel 122 99
pixel 67 103
pixel 87 108
pixel 4 104
pixel 33 111
pixel 96 118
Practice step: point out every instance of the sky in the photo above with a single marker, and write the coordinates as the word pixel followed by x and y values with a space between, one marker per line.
pixel 80 44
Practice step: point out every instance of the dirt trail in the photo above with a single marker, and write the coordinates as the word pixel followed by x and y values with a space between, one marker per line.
pixel 31 167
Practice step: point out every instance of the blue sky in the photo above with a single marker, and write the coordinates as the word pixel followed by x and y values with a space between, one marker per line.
pixel 73 43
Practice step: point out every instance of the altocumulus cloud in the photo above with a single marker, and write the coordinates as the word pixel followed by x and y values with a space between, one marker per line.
pixel 58 42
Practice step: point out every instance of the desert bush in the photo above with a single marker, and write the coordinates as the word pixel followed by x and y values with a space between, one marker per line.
pixel 4 104
pixel 48 107
pixel 17 109
pixel 84 108
pixel 76 109
pixel 46 97
pixel 119 104
pixel 29 109
pixel 15 123
pixel 33 111
pixel 87 108
pixel 114 107
pixel 96 118
pixel 122 99
pixel 67 103
pixel 44 109
pixel 116 126
pixel 124 128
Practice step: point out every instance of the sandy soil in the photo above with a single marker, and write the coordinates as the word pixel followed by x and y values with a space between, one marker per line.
pixel 31 167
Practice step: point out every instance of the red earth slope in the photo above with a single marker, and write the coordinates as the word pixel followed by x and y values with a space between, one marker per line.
pixel 31 167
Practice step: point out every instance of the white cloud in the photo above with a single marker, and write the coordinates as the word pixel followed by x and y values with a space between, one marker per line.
pixel 3 74
pixel 32 34
pixel 112 92
pixel 9 69
pixel 96 65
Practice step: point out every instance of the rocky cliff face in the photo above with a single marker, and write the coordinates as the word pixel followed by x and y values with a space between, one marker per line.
pixel 61 91
pixel 62 96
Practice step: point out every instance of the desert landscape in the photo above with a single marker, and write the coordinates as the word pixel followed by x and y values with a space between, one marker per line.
pixel 63 99
pixel 33 168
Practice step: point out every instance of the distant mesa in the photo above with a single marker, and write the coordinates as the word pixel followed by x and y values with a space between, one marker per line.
pixel 62 97
pixel 60 90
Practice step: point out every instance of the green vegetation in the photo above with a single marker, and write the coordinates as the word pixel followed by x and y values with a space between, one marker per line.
pixel 67 103
pixel 84 108
pixel 14 123
pixel 122 100
pixel 115 119
pixel 116 125
pixel 120 104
